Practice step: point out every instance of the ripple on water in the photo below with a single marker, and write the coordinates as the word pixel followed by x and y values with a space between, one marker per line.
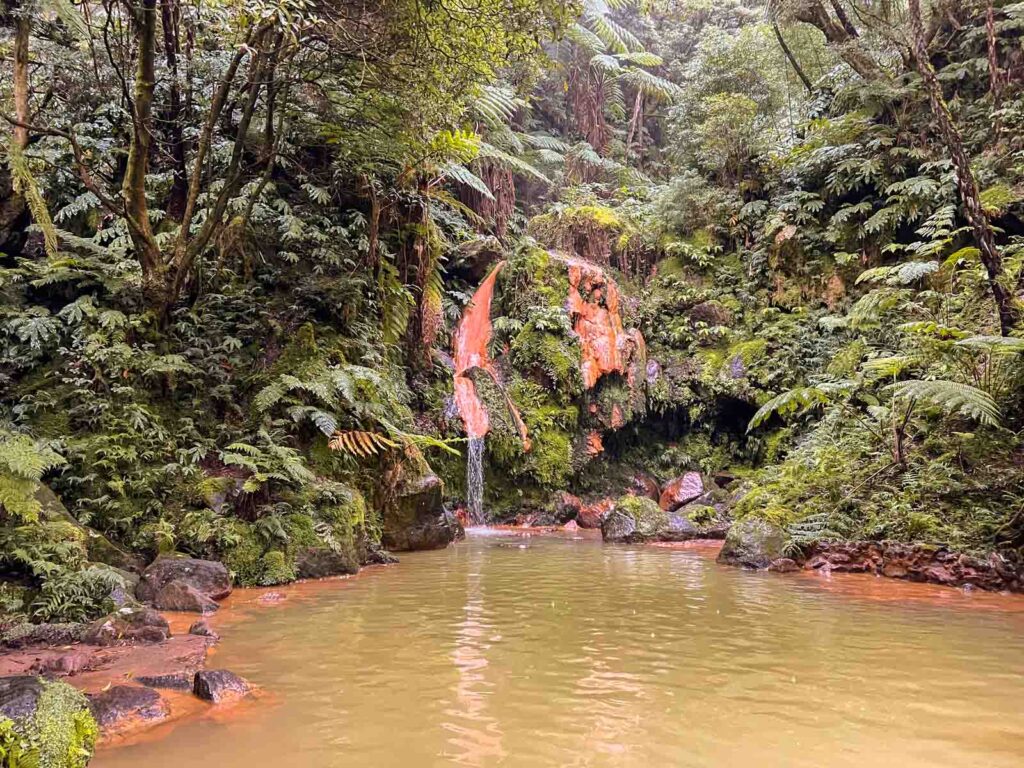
pixel 571 653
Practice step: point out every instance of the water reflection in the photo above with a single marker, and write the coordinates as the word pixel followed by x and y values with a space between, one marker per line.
pixel 475 735
pixel 515 651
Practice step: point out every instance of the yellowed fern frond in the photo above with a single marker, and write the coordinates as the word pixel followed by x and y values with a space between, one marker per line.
pixel 361 444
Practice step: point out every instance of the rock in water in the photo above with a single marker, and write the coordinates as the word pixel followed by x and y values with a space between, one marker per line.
pixel 202 628
pixel 176 681
pixel 219 685
pixel 207 577
pixel 752 543
pixel 53 718
pixel 681 491
pixel 635 518
pixel 318 562
pixel 116 706
pixel 593 515
pixel 417 519
pixel 179 596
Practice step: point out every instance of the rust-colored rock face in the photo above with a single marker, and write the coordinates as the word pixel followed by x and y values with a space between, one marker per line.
pixel 682 490
pixel 592 515
pixel 914 562
pixel 471 339
pixel 594 307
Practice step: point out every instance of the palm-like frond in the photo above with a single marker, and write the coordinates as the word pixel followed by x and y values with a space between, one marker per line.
pixel 798 400
pixel 511 162
pixel 462 175
pixel 952 397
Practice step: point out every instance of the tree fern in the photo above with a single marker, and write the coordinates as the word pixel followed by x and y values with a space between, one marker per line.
pixel 463 175
pixel 798 400
pixel 951 397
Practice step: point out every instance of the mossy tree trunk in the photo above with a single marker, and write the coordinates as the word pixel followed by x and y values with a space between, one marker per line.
pixel 970 199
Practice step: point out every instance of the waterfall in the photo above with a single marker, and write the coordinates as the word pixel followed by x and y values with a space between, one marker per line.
pixel 475 479
pixel 471 338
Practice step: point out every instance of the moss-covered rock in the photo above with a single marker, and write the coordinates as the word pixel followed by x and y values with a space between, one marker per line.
pixel 752 543
pixel 244 557
pixel 43 723
pixel 634 518
pixel 277 568
pixel 416 519
pixel 320 562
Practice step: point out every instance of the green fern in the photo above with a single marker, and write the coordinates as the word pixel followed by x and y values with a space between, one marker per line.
pixel 951 397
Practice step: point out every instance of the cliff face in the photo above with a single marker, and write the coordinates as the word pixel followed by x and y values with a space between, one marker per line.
pixel 563 371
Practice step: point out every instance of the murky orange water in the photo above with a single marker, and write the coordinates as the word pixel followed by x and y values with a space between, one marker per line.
pixel 508 650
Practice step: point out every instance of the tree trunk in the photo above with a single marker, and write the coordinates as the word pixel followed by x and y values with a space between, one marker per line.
pixel 23 28
pixel 792 59
pixel 984 237
pixel 994 77
pixel 133 187
pixel 635 122
pixel 839 36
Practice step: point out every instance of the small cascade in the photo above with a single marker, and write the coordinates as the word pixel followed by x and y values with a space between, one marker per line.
pixel 475 479
pixel 471 339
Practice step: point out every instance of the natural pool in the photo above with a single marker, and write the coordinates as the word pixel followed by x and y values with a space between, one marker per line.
pixel 507 650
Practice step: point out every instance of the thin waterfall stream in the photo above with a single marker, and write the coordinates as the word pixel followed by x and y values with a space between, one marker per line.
pixel 475 479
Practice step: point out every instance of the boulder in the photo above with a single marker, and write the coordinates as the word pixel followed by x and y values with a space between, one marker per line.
pixel 752 543
pixel 783 565
pixel 71 662
pixel 19 696
pixel 207 577
pixel 634 518
pixel 642 484
pixel 117 705
pixel 218 685
pixel 618 526
pixel 681 491
pixel 202 628
pixel 697 520
pixel 593 515
pixel 181 596
pixel 128 626
pixel 26 635
pixel 417 519
pixel 175 681
pixel 50 716
pixel 566 507
pixel 318 562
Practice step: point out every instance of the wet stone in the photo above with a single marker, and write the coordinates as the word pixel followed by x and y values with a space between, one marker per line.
pixel 218 685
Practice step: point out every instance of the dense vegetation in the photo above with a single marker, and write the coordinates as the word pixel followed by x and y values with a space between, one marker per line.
pixel 236 238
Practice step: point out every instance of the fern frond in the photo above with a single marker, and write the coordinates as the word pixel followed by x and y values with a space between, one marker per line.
pixel 797 400
pixel 952 397
pixel 512 163
pixel 361 444
pixel 996 344
pixel 463 175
